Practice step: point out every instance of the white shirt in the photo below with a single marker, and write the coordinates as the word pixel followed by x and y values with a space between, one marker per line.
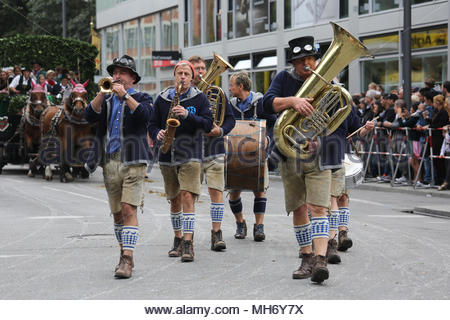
pixel 16 79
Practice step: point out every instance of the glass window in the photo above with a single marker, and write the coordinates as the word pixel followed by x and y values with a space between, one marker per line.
pixel 130 34
pixel 262 80
pixel 148 31
pixel 210 20
pixel 287 14
pixel 196 22
pixel 230 30
pixel 169 26
pixel 242 13
pixel 273 15
pixel 430 38
pixel 363 7
pixel 218 20
pixel 419 1
pixel 343 9
pixel 381 71
pixel 112 43
pixel 240 62
pixel 260 16
pixel 432 65
pixel 265 59
pixel 309 12
pixel 381 5
pixel 382 44
pixel 186 23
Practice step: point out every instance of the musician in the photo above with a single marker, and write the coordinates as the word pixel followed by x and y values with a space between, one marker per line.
pixel 248 105
pixel 338 217
pixel 122 119
pixel 214 160
pixel 180 166
pixel 306 185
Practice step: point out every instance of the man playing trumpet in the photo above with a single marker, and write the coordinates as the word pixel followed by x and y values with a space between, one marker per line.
pixel 122 119
pixel 180 166
pixel 214 160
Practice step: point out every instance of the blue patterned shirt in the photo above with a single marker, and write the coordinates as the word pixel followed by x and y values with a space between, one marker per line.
pixel 243 105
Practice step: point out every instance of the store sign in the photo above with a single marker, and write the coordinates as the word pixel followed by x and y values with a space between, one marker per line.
pixel 382 44
pixel 165 58
pixel 429 38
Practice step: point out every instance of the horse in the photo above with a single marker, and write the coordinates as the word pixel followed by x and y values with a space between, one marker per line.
pixel 68 125
pixel 36 105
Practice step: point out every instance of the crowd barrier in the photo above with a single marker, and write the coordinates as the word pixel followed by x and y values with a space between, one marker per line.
pixel 392 145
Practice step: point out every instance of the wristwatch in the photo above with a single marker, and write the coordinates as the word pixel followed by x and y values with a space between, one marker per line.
pixel 126 96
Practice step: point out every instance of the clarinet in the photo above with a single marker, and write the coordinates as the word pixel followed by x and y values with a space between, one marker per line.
pixel 172 121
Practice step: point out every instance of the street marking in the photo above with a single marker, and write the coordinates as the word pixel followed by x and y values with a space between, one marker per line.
pixel 394 216
pixel 58 217
pixel 368 202
pixel 76 194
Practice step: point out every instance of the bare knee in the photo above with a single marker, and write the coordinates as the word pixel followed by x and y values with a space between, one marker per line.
pixel 128 210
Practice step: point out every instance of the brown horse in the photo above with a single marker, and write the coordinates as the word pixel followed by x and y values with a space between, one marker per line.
pixel 36 105
pixel 67 124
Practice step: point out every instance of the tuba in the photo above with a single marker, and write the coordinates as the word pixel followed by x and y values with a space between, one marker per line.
pixel 172 122
pixel 215 94
pixel 331 102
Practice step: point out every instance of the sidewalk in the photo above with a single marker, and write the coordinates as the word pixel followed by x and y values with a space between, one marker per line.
pixel 433 210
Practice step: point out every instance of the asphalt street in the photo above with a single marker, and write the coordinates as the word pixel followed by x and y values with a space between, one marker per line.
pixel 57 242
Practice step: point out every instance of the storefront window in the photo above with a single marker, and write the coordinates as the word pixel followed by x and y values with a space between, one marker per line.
pixel 148 31
pixel 262 80
pixel 112 43
pixel 382 44
pixel 430 38
pixel 169 25
pixel 381 71
pixel 130 35
pixel 430 65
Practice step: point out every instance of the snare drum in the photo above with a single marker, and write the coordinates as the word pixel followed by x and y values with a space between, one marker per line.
pixel 245 156
pixel 353 170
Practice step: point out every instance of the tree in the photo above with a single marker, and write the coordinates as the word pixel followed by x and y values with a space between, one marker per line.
pixel 43 17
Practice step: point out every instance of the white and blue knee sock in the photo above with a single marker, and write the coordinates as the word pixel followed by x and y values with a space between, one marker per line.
pixel 177 220
pixel 303 235
pixel 130 235
pixel 216 211
pixel 333 219
pixel 188 222
pixel 118 232
pixel 344 216
pixel 320 228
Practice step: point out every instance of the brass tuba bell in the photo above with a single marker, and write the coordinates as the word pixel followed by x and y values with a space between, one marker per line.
pixel 331 102
pixel 215 94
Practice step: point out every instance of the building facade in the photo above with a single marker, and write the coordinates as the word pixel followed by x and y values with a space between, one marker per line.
pixel 253 35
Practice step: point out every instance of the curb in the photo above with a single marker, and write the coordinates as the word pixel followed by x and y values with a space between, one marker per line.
pixel 432 212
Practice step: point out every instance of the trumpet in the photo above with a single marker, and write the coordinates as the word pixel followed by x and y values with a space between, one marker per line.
pixel 105 84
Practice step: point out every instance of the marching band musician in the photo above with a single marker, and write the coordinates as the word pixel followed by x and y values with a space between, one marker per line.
pixel 339 213
pixel 248 105
pixel 180 166
pixel 122 120
pixel 213 161
pixel 306 185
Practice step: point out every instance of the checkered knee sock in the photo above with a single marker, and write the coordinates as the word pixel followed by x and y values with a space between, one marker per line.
pixel 319 227
pixel 303 235
pixel 177 220
pixel 188 222
pixel 130 235
pixel 216 211
pixel 344 216
pixel 333 219
pixel 118 232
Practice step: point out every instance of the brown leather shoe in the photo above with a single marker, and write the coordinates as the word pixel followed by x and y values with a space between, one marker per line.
pixel 187 250
pixel 443 186
pixel 120 258
pixel 304 271
pixel 176 248
pixel 319 269
pixel 125 267
pixel 344 242
pixel 332 254
pixel 217 242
